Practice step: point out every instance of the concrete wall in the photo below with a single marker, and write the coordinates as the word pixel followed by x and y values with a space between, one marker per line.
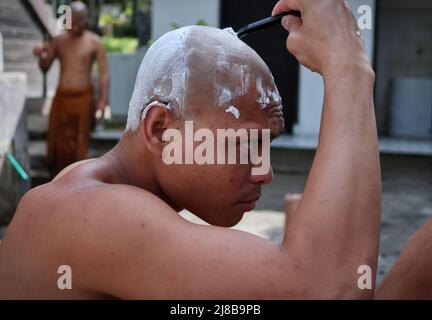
pixel 311 91
pixel 13 138
pixel 404 50
pixel 123 68
pixel 182 13
pixel 411 108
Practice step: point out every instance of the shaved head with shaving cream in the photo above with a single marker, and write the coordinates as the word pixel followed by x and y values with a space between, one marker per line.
pixel 210 78
pixel 200 67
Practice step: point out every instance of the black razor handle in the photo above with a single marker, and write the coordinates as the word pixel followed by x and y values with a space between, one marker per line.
pixel 265 23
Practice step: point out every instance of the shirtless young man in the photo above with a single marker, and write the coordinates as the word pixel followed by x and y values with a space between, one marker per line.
pixel 114 220
pixel 73 109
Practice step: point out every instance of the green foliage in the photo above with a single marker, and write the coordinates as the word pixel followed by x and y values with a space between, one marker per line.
pixel 106 19
pixel 174 25
pixel 121 45
pixel 200 22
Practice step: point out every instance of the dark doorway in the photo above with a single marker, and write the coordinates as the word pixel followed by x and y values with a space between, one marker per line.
pixel 270 45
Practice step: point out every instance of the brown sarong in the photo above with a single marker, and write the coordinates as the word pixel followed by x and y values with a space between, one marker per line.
pixel 70 123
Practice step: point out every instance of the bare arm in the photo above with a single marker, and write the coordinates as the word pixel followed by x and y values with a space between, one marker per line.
pixel 338 218
pixel 148 251
pixel 46 54
pixel 410 277
pixel 103 75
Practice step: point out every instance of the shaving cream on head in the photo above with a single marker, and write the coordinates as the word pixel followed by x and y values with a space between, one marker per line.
pixel 267 96
pixel 193 64
pixel 233 110
pixel 231 32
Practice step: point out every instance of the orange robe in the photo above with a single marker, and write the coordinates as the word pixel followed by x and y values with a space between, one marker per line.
pixel 70 123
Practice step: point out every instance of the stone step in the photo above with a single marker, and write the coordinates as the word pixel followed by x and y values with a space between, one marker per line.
pixel 35 106
pixel 39 176
pixel 37 153
pixel 37 126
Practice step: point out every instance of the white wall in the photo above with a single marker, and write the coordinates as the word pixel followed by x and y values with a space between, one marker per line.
pixel 311 91
pixel 183 13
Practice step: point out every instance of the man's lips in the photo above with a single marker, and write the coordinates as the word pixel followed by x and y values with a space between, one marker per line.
pixel 249 204
pixel 251 200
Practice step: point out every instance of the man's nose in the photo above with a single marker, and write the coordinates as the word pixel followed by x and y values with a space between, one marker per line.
pixel 262 178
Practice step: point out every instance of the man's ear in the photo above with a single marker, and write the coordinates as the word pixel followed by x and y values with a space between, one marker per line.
pixel 158 118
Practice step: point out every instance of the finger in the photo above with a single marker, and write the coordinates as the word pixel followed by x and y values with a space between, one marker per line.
pixel 355 26
pixel 291 23
pixel 285 5
pixel 98 114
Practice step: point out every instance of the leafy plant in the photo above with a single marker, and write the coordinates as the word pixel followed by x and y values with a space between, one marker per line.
pixel 200 22
pixel 121 45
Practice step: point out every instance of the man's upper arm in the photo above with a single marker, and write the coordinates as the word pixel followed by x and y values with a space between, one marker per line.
pixel 146 250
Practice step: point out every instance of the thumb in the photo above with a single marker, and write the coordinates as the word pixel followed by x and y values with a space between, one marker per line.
pixel 291 23
pixel 284 6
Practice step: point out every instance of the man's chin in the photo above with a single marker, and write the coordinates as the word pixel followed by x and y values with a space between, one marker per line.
pixel 227 221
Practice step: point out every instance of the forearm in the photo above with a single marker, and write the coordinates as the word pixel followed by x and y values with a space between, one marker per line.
pixel 346 173
pixel 104 84
pixel 44 63
pixel 340 211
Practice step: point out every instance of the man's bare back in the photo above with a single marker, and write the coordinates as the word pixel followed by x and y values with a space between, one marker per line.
pixel 101 229
pixel 55 225
pixel 44 215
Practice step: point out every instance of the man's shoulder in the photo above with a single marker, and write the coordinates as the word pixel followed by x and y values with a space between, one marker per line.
pixel 56 42
pixel 93 211
pixel 76 192
pixel 93 37
pixel 59 38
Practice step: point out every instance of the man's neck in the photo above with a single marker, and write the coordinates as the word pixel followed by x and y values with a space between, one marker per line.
pixel 76 35
pixel 126 165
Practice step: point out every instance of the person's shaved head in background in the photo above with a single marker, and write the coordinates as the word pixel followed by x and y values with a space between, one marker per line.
pixel 79 17
pixel 209 76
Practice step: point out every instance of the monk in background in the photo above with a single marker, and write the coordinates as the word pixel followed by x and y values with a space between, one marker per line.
pixel 74 109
